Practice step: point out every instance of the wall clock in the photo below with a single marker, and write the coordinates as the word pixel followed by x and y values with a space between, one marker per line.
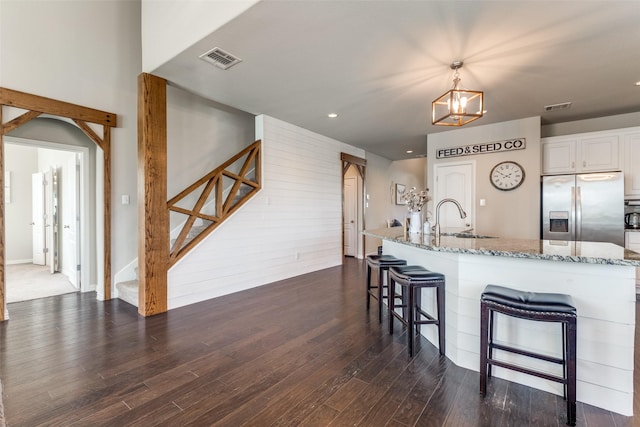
pixel 507 176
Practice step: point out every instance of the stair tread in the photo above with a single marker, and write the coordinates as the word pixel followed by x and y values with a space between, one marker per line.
pixel 128 291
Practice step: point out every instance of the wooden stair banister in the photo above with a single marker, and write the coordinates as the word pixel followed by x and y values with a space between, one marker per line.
pixel 224 206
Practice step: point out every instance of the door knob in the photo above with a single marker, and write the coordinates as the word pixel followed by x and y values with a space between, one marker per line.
pixel 66 226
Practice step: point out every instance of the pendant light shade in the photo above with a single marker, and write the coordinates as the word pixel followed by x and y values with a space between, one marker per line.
pixel 457 106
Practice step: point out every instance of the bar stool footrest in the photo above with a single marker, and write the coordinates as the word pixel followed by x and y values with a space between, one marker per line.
pixel 524 370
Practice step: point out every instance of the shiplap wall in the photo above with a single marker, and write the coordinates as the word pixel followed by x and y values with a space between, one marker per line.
pixel 292 227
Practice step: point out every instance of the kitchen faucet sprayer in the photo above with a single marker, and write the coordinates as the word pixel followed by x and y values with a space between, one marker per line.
pixel 436 227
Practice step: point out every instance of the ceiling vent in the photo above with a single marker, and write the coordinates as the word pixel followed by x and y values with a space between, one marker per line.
pixel 220 58
pixel 558 107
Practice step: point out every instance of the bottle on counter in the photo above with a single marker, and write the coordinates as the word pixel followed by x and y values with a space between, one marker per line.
pixel 426 228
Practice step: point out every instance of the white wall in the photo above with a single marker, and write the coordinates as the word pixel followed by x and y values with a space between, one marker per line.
pixel 21 161
pixel 511 214
pixel 201 134
pixel 591 125
pixel 410 173
pixel 171 26
pixel 382 174
pixel 291 227
pixel 87 53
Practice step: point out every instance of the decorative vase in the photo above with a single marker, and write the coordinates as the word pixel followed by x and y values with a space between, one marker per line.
pixel 415 223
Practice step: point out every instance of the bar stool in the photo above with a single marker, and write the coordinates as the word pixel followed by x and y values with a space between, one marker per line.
pixel 412 279
pixel 542 307
pixel 382 263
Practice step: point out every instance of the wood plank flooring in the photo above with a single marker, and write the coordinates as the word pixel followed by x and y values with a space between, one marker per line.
pixel 300 352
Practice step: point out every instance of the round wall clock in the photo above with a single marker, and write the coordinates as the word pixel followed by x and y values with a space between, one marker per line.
pixel 507 176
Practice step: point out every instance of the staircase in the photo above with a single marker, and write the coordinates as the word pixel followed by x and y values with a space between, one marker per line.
pixel 204 205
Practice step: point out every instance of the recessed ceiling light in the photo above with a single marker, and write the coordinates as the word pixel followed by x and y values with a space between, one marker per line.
pixel 638 83
pixel 409 151
pixel 332 115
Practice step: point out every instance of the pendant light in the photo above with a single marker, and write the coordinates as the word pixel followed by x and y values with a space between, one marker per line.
pixel 457 106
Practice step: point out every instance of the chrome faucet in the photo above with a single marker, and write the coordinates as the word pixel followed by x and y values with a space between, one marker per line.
pixel 436 228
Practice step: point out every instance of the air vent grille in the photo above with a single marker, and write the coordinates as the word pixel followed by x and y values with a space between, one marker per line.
pixel 557 107
pixel 220 58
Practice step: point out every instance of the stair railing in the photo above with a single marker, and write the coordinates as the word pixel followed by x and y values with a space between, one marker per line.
pixel 243 183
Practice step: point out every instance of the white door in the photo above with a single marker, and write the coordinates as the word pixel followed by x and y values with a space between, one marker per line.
pixel 349 215
pixel 70 203
pixel 455 180
pixel 38 218
pixel 51 218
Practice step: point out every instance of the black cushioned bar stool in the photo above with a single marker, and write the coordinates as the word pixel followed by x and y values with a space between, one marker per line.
pixel 382 263
pixel 412 279
pixel 542 307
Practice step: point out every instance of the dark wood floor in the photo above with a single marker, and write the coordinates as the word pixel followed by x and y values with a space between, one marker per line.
pixel 303 351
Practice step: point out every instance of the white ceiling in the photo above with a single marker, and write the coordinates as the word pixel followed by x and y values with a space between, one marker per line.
pixel 379 64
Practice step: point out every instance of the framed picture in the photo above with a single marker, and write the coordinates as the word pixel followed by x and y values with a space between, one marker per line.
pixel 399 190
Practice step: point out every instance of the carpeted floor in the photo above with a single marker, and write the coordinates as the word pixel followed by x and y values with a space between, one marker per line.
pixel 28 281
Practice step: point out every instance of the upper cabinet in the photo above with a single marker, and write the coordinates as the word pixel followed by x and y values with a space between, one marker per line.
pixel 589 152
pixel 611 150
pixel 558 156
pixel 632 165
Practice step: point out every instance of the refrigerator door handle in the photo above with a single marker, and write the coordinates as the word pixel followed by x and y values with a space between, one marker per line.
pixel 578 216
pixel 572 214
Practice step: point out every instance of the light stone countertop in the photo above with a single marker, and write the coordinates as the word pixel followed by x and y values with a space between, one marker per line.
pixel 551 250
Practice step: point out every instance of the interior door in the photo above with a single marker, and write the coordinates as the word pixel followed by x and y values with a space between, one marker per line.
pixel 38 218
pixel 70 208
pixel 349 216
pixel 454 180
pixel 51 219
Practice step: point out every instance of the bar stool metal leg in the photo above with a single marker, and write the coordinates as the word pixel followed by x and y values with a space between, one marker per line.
pixel 382 263
pixel 543 307
pixel 411 280
pixel 484 347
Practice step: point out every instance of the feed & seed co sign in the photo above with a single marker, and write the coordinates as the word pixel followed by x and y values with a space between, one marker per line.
pixel 489 147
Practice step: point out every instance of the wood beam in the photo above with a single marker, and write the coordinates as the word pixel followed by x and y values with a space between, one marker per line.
pixel 26 101
pixel 106 149
pixel 37 105
pixel 353 159
pixel 153 216
pixel 19 121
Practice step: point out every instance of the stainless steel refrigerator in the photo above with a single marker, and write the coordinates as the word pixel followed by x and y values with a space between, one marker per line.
pixel 583 207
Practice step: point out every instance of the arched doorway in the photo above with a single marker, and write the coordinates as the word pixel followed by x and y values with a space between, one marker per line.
pixel 84 118
pixel 350 163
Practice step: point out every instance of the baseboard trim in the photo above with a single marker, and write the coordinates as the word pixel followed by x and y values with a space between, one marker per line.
pixel 20 261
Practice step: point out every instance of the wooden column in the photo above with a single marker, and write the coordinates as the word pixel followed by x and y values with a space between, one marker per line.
pixel 153 216
pixel 106 149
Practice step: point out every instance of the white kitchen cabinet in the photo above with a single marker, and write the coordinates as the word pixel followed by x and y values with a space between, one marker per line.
pixel 558 156
pixel 600 153
pixel 632 165
pixel 632 241
pixel 589 152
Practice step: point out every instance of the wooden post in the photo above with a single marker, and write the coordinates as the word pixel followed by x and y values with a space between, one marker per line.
pixel 35 106
pixel 153 215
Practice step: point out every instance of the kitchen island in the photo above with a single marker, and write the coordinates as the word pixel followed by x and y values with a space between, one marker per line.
pixel 599 276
